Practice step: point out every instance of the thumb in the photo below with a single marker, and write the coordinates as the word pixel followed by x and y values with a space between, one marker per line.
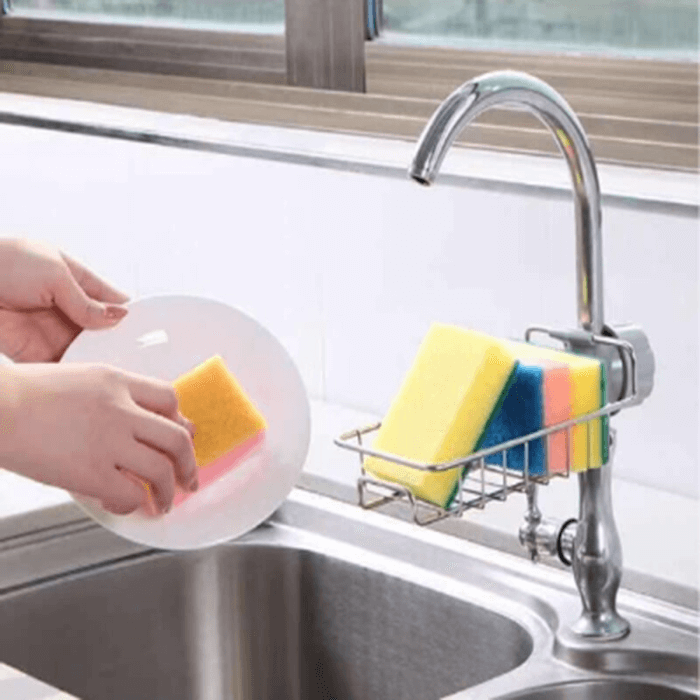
pixel 81 309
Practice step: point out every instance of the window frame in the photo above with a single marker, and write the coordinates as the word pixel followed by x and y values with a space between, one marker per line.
pixel 662 110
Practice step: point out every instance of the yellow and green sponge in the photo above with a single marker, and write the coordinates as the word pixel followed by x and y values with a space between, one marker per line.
pixel 458 380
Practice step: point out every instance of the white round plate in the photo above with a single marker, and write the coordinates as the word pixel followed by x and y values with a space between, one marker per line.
pixel 165 336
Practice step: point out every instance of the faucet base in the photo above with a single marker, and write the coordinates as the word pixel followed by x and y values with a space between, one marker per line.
pixel 606 627
pixel 597 560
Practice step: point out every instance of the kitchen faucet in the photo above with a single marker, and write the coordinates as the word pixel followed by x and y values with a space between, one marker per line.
pixel 594 551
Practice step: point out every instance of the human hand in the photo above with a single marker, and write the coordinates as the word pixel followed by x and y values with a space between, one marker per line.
pixel 97 431
pixel 46 299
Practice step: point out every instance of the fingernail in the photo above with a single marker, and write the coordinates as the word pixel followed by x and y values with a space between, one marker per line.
pixel 115 312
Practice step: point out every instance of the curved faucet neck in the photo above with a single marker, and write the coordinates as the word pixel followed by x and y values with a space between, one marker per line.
pixel 513 90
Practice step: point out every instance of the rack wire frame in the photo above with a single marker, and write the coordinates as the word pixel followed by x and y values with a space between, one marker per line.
pixel 481 483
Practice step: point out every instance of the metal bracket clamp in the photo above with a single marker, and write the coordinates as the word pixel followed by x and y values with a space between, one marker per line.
pixel 624 348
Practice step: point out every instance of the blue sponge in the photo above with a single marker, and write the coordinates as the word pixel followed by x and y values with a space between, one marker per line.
pixel 520 413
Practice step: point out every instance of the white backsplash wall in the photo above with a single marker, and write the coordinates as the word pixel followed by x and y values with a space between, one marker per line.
pixel 349 270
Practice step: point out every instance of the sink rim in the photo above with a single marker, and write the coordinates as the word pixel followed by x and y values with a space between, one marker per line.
pixel 641 683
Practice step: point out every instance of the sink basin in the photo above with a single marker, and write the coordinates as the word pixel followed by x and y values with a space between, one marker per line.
pixel 324 601
pixel 252 621
pixel 615 689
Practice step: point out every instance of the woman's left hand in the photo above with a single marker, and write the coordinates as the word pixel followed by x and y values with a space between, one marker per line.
pixel 47 299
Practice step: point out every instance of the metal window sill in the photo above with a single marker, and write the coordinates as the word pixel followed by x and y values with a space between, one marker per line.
pixel 655 189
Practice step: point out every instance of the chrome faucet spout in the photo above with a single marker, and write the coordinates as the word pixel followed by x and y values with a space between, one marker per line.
pixel 514 90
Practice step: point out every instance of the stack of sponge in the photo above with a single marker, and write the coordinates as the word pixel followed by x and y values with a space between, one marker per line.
pixel 467 391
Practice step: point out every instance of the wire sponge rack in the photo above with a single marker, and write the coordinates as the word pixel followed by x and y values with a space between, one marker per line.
pixel 482 482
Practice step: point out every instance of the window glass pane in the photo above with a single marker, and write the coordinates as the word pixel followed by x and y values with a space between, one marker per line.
pixel 641 26
pixel 267 15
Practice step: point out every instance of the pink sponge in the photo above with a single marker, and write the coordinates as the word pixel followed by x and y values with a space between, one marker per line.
pixel 222 465
pixel 557 409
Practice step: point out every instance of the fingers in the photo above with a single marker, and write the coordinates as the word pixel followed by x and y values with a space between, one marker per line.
pixel 70 298
pixel 153 394
pixel 92 285
pixel 171 439
pixel 162 427
pixel 186 424
pixel 150 465
pixel 125 493
pixel 157 396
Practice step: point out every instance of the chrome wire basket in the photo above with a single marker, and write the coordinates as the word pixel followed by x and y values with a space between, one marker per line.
pixel 482 482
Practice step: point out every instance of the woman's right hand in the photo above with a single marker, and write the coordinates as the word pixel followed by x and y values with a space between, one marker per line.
pixel 95 430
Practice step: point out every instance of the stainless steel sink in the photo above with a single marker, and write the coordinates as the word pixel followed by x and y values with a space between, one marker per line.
pixel 323 601
pixel 252 621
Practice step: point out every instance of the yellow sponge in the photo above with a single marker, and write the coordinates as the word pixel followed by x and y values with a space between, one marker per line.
pixel 588 393
pixel 228 426
pixel 456 383
pixel 224 417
